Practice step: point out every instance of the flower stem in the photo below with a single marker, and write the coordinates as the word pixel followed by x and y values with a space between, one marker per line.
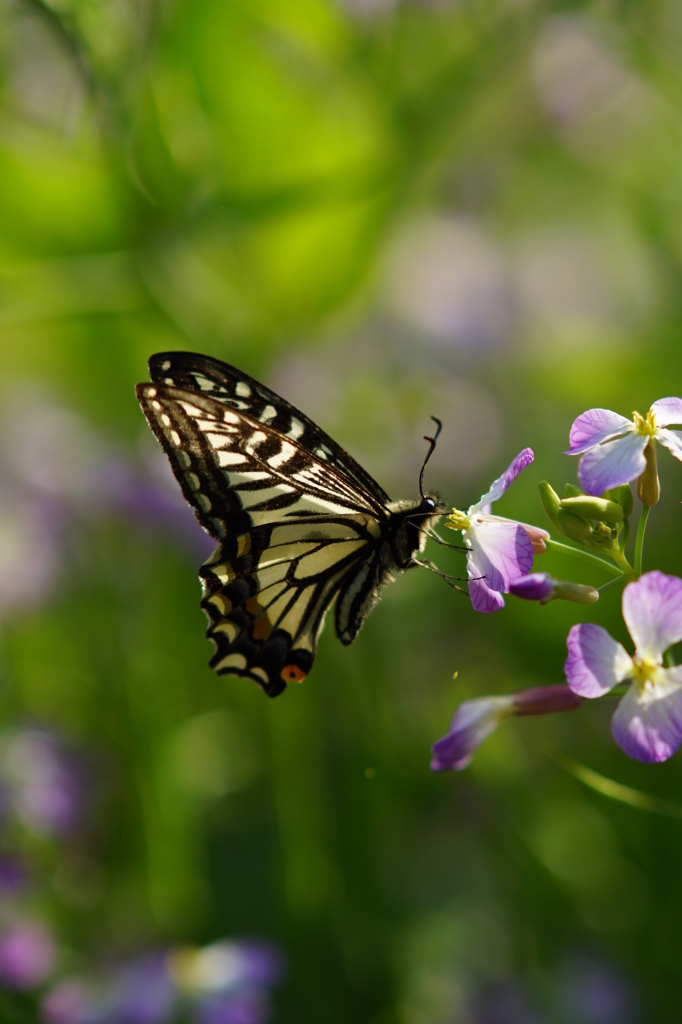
pixel 612 583
pixel 585 556
pixel 639 542
pixel 619 557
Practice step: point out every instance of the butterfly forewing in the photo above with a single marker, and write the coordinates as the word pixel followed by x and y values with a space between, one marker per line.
pixel 292 532
pixel 214 379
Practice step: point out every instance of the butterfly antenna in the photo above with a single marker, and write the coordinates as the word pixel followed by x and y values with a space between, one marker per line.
pixel 429 453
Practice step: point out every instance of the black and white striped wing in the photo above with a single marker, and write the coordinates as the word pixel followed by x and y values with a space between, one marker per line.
pixel 215 379
pixel 292 532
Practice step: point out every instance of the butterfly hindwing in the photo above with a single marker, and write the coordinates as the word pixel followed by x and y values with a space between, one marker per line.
pixel 214 379
pixel 266 607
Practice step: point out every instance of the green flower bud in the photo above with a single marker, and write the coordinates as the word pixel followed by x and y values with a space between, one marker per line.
pixel 550 501
pixel 622 496
pixel 571 491
pixel 573 526
pixel 601 509
pixel 564 590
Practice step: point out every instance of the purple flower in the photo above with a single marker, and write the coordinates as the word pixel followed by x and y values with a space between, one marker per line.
pixel 14 874
pixel 647 723
pixel 475 720
pixel 143 992
pixel 140 992
pixel 225 966
pixel 45 785
pixel 540 586
pixel 612 447
pixel 27 955
pixel 69 1002
pixel 30 547
pixel 249 1007
pixel 500 550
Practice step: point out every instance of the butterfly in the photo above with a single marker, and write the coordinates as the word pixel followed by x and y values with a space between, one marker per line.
pixel 298 523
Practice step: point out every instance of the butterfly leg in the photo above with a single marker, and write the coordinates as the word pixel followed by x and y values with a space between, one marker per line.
pixel 428 564
pixel 443 543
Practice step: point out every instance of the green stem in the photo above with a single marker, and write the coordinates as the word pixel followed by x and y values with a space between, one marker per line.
pixel 585 556
pixel 612 583
pixel 619 558
pixel 639 542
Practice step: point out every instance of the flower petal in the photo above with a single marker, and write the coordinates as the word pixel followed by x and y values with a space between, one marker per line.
pixel 502 550
pixel 594 427
pixel 499 486
pixel 672 440
pixel 652 609
pixel 650 728
pixel 473 722
pixel 667 411
pixel 539 586
pixel 614 463
pixel 596 662
pixel 483 599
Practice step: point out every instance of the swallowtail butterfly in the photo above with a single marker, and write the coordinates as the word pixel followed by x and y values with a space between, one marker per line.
pixel 298 523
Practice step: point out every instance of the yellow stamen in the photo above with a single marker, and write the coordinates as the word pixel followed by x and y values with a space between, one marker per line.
pixel 644 425
pixel 457 520
pixel 644 671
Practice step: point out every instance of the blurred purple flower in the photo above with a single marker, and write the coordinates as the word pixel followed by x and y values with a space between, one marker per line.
pixel 27 955
pixel 71 1002
pixel 593 992
pixel 249 1007
pixel 500 550
pixel 647 723
pixel 226 966
pixel 612 447
pixel 475 720
pixel 14 874
pixel 224 983
pixel 30 549
pixel 45 784
pixel 143 992
pixel 451 281
pixel 150 498
pixel 54 471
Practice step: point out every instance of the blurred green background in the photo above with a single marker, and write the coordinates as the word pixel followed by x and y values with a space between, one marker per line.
pixel 384 211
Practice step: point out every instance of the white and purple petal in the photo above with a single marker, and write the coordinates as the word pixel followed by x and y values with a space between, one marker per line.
pixel 652 609
pixel 473 722
pixel 596 662
pixel 667 411
pixel 672 440
pixel 502 550
pixel 483 598
pixel 648 726
pixel 499 486
pixel 594 427
pixel 611 464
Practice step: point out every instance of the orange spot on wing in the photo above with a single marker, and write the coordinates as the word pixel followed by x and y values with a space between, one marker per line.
pixel 252 606
pixel 293 674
